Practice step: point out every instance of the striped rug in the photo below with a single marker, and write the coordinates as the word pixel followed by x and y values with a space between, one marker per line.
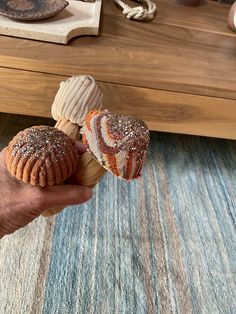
pixel 165 243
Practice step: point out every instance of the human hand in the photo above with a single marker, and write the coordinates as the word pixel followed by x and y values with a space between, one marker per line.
pixel 21 203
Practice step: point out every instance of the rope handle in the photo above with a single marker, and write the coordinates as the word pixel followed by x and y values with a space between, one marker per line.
pixel 138 13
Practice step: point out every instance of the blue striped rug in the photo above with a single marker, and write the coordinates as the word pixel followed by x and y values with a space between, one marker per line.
pixel 165 243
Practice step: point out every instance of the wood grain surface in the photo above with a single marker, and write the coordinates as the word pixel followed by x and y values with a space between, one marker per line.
pixel 30 93
pixel 184 49
pixel 184 59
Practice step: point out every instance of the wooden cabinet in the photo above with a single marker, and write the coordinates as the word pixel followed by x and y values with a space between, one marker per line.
pixel 178 72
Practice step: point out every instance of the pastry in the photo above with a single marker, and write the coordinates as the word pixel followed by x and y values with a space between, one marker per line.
pixel 118 143
pixel 75 98
pixel 41 155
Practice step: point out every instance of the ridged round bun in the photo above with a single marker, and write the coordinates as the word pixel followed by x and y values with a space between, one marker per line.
pixel 41 155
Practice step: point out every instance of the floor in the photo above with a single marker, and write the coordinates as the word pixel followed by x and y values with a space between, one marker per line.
pixel 165 243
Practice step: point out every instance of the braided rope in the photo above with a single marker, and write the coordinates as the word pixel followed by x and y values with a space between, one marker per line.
pixel 140 12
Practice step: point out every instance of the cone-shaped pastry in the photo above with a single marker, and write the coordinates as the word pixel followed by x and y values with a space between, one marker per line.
pixel 41 155
pixel 118 143
pixel 232 17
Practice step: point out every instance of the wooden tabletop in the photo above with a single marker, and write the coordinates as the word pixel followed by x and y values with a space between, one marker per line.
pixel 177 72
pixel 184 49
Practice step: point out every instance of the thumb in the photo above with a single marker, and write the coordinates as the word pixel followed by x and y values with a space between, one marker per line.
pixel 64 195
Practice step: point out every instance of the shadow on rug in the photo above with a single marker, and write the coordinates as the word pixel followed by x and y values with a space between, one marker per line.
pixel 165 243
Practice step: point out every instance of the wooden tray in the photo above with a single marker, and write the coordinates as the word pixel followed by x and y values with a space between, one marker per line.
pixel 78 18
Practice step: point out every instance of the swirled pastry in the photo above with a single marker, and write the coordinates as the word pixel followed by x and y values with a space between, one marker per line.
pixel 119 143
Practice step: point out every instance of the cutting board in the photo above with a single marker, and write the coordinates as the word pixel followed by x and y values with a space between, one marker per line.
pixel 78 18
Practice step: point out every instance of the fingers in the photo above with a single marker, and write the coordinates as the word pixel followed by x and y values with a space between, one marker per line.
pixel 63 195
pixel 81 148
